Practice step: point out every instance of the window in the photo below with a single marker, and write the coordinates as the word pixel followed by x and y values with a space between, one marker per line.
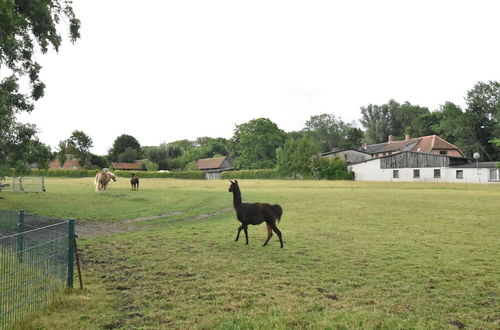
pixel 494 174
pixel 395 174
pixel 416 174
pixel 460 174
pixel 437 174
pixel 443 152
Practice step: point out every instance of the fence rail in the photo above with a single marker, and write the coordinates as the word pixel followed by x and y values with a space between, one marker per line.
pixel 35 264
pixel 23 184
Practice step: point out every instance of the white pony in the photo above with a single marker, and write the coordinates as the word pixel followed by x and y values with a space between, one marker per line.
pixel 102 179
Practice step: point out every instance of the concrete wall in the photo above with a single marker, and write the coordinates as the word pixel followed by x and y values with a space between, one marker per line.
pixel 371 171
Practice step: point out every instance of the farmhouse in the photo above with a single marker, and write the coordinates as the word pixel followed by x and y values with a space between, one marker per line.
pixel 432 144
pixel 214 166
pixel 410 166
pixel 71 163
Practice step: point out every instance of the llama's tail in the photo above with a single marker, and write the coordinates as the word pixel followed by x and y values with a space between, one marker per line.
pixel 278 211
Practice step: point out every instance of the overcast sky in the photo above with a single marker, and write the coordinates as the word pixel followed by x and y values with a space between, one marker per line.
pixel 168 70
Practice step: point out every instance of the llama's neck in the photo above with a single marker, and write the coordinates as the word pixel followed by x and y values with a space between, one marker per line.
pixel 236 197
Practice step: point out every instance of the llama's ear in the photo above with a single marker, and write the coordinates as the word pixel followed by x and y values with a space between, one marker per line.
pixel 231 181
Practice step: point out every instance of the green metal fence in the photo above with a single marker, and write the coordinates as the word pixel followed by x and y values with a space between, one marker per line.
pixel 36 264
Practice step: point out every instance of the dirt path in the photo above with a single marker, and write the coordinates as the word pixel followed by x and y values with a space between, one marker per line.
pixel 101 228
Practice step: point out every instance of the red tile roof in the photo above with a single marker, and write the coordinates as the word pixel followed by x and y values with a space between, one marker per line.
pixel 126 166
pixel 210 163
pixel 420 144
pixel 71 163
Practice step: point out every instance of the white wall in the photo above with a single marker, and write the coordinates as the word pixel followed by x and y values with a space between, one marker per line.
pixel 371 171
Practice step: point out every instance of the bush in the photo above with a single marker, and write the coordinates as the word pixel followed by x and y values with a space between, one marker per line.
pixel 193 175
pixel 190 175
pixel 330 169
pixel 251 174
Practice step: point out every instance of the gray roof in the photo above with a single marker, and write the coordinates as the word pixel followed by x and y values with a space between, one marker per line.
pixel 342 150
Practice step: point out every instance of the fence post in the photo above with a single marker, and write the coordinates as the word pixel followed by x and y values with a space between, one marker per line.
pixel 71 252
pixel 20 237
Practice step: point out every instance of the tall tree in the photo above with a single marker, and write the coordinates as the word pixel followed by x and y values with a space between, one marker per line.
pixel 294 158
pixel 483 110
pixel 255 143
pixel 395 119
pixel 123 143
pixel 24 27
pixel 330 132
pixel 81 143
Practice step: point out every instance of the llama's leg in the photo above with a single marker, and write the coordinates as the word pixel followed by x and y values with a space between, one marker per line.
pixel 278 232
pixel 245 228
pixel 239 231
pixel 269 234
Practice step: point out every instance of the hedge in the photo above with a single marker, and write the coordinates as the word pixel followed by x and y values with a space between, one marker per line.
pixel 193 175
pixel 252 174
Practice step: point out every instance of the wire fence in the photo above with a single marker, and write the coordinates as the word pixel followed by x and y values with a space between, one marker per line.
pixel 36 264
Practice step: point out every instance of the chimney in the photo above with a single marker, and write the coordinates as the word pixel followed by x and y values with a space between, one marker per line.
pixel 407 137
pixel 390 139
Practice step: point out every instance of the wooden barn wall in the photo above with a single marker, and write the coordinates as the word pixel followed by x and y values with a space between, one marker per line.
pixel 414 160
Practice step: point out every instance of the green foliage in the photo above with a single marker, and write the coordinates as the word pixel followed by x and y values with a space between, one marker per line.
pixel 295 157
pixel 330 169
pixel 251 174
pixel 24 27
pixel 330 132
pixel 193 175
pixel 496 142
pixel 255 144
pixel 191 166
pixel 123 143
pixel 483 110
pixel 99 161
pixel 129 155
pixel 81 143
pixel 151 167
pixel 394 119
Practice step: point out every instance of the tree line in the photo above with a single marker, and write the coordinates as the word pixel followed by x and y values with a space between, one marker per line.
pixel 261 144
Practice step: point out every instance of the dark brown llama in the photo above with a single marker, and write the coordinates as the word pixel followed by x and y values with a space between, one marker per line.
pixel 255 214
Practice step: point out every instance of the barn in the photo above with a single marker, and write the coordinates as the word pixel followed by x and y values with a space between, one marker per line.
pixel 214 166
pixel 409 166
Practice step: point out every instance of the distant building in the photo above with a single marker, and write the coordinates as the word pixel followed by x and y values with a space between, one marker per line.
pixel 431 144
pixel 126 166
pixel 349 155
pixel 71 163
pixel 214 166
pixel 409 166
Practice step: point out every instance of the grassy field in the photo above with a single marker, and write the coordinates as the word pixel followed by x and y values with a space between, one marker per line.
pixel 356 255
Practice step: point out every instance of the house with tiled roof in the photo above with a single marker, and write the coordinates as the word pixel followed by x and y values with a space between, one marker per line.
pixel 71 163
pixel 214 166
pixel 431 144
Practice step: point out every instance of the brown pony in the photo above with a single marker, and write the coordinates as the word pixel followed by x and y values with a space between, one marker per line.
pixel 134 182
pixel 102 179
